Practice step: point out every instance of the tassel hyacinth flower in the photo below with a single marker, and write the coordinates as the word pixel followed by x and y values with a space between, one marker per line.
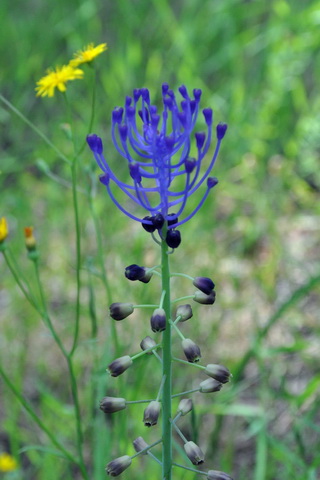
pixel 158 149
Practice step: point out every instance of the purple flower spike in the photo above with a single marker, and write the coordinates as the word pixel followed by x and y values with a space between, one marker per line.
pixel 157 147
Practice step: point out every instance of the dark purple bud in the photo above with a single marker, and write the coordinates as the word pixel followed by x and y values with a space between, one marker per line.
pixel 134 272
pixel 128 101
pixel 212 182
pixel 193 105
pixel 151 414
pixel 183 90
pixel 136 94
pixel 158 320
pixel 117 466
pixel 191 350
pixel 169 141
pixel 173 238
pixel 172 219
pixel 145 94
pixel 190 163
pixel 197 94
pixel 119 365
pixel 205 299
pixel 221 130
pixel 183 119
pixel 95 143
pixel 117 115
pixel 204 284
pixel 217 475
pixel 210 385
pixel 135 172
pixel 194 453
pixel 104 178
pixel 140 444
pixel 131 111
pixel 119 311
pixel 155 120
pixel 185 312
pixel 185 406
pixel 147 224
pixel 200 138
pixel 146 343
pixel 165 88
pixel 112 404
pixel 207 113
pixel 158 220
pixel 218 372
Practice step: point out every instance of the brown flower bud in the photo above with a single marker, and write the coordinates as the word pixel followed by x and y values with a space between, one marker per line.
pixel 185 406
pixel 185 312
pixel 191 350
pixel 210 385
pixel 216 475
pixel 119 311
pixel 218 372
pixel 119 365
pixel 112 404
pixel 201 297
pixel 194 453
pixel 140 444
pixel 117 466
pixel 151 414
pixel 146 343
pixel 158 320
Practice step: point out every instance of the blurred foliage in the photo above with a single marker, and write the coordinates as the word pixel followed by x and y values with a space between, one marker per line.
pixel 258 64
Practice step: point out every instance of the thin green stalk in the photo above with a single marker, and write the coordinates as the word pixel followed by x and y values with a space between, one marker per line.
pixel 166 370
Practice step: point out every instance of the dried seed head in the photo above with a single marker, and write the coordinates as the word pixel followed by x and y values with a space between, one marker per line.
pixel 210 385
pixel 185 312
pixel 191 350
pixel 119 365
pixel 146 343
pixel 216 475
pixel 185 406
pixel 204 284
pixel 205 299
pixel 117 466
pixel 140 444
pixel 218 372
pixel 158 320
pixel 194 453
pixel 112 404
pixel 119 311
pixel 151 414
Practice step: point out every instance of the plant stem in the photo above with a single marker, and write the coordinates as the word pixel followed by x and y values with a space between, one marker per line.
pixel 166 370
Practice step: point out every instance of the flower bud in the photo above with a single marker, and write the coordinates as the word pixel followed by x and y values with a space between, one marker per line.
pixel 201 297
pixel 216 475
pixel 151 413
pixel 119 365
pixel 218 372
pixel 140 444
pixel 185 312
pixel 118 465
pixel 119 311
pixel 147 224
pixel 210 385
pixel 134 272
pixel 173 238
pixel 112 404
pixel 30 241
pixel 204 284
pixel 194 453
pixel 146 343
pixel 4 231
pixel 158 320
pixel 185 406
pixel 191 350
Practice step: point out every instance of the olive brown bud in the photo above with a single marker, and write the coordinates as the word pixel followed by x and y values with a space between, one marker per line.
pixel 151 413
pixel 146 343
pixel 210 385
pixel 218 372
pixel 205 299
pixel 112 404
pixel 140 444
pixel 185 406
pixel 119 311
pixel 191 350
pixel 117 466
pixel 204 284
pixel 119 365
pixel 194 453
pixel 158 320
pixel 185 312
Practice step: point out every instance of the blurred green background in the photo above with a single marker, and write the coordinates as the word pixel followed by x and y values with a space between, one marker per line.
pixel 257 236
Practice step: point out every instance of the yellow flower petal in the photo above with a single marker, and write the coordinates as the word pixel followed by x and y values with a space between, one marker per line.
pixel 57 79
pixel 7 463
pixel 89 53
pixel 4 231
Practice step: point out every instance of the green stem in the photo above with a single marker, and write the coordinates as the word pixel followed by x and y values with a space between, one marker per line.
pixel 166 369
pixel 177 330
pixel 188 363
pixel 182 298
pixel 147 350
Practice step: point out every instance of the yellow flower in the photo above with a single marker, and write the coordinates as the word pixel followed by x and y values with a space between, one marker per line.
pixel 7 463
pixel 57 79
pixel 89 53
pixel 3 229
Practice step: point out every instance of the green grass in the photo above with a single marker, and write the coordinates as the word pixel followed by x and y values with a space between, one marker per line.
pixel 257 235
